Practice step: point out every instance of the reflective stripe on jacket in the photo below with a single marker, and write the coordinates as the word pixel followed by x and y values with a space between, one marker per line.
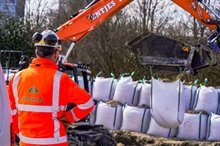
pixel 40 94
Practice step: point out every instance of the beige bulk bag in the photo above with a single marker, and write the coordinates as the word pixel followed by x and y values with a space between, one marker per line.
pixel 193 127
pixel 167 104
pixel 145 95
pixel 189 93
pixel 207 99
pixel 110 116
pixel 127 92
pixel 102 88
pixel 157 130
pixel 135 119
pixel 213 131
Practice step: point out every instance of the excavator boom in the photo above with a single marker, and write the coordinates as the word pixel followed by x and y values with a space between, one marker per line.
pixel 99 11
pixel 193 7
pixel 88 19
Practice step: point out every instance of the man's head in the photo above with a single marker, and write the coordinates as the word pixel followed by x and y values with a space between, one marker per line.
pixel 47 44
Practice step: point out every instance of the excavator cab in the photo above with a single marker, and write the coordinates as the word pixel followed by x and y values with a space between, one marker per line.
pixel 214 41
pixel 204 13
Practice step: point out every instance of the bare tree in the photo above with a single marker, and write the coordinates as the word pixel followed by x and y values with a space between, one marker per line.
pixel 37 13
pixel 146 11
pixel 20 10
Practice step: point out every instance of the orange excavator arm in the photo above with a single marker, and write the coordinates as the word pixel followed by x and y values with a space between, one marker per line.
pixel 193 7
pixel 88 19
pixel 99 11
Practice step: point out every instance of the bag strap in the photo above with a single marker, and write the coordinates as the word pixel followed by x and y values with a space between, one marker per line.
pixel 111 88
pixel 179 92
pixel 200 122
pixel 116 109
pixel 197 97
pixel 143 117
pixel 169 132
pixel 209 126
pixel 218 108
pixel 135 89
pixel 192 93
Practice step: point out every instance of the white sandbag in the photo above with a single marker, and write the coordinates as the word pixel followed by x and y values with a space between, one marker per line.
pixel 145 95
pixel 109 116
pixel 213 131
pixel 189 93
pixel 207 99
pixel 193 127
pixel 102 88
pixel 127 92
pixel 125 79
pixel 135 119
pixel 157 130
pixel 167 104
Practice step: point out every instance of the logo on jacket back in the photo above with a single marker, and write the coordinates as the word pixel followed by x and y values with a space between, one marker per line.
pixel 33 90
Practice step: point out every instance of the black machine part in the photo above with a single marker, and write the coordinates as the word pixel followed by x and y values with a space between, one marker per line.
pixel 170 56
pixel 90 135
pixel 75 69
pixel 82 133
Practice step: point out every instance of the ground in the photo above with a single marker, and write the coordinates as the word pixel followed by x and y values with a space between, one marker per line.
pixel 125 138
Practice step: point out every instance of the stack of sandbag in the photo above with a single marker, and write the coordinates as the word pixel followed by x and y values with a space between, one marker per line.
pixel 135 119
pixel 157 130
pixel 213 131
pixel 109 115
pixel 167 103
pixel 145 95
pixel 189 94
pixel 127 91
pixel 103 88
pixel 193 127
pixel 207 99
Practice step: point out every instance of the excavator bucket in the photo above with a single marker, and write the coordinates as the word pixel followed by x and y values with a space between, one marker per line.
pixel 170 56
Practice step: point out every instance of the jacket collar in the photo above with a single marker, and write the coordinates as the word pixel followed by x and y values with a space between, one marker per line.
pixel 42 62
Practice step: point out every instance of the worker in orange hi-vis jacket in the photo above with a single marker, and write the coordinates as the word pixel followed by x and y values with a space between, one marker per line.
pixel 39 96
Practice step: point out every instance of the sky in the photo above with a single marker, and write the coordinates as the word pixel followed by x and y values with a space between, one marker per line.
pixel 33 5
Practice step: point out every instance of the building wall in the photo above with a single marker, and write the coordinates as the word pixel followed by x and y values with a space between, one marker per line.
pixel 12 7
pixel 2 3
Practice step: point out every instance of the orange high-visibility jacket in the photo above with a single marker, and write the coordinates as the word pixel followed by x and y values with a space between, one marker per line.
pixel 38 97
